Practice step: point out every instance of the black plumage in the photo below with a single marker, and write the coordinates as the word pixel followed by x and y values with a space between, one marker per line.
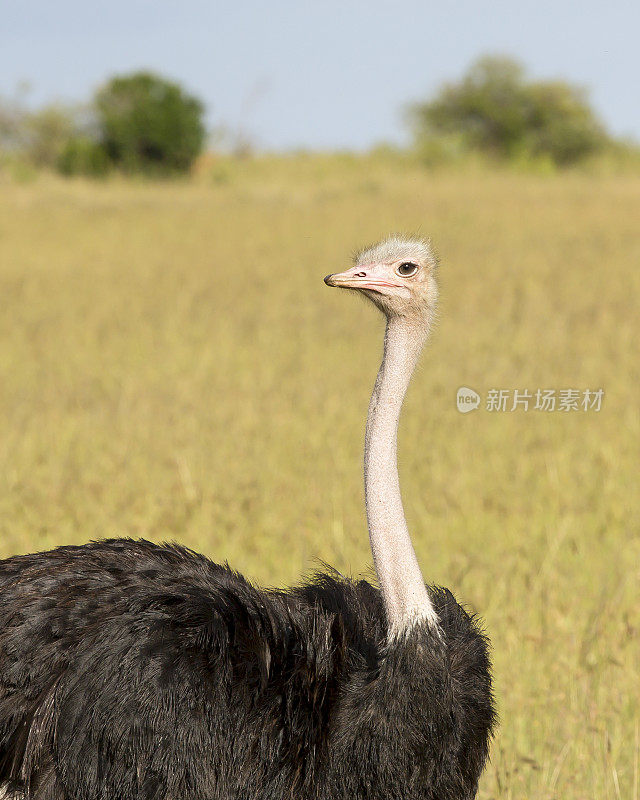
pixel 142 671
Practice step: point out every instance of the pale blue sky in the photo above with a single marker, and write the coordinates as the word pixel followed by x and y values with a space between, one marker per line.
pixel 322 74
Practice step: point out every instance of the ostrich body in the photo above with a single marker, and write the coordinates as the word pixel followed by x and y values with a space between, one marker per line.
pixel 147 672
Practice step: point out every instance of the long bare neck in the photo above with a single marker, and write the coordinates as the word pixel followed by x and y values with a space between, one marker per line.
pixel 405 596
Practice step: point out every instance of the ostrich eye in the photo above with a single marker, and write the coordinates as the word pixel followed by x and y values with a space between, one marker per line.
pixel 407 269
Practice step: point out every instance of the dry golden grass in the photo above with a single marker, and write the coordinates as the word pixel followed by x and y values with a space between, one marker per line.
pixel 171 366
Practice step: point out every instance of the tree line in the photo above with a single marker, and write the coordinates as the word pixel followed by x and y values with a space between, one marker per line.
pixel 145 123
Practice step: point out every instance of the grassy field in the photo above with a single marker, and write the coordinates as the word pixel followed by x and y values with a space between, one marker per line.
pixel 172 366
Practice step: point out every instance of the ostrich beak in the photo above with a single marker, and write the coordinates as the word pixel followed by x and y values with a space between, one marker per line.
pixel 344 280
pixel 359 278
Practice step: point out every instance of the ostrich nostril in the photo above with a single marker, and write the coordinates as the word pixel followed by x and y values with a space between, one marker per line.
pixel 361 275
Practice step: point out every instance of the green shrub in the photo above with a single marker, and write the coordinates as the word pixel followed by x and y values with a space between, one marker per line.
pixel 561 124
pixel 148 124
pixel 83 156
pixel 494 109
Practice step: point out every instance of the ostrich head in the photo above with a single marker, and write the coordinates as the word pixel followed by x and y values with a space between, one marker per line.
pixel 397 275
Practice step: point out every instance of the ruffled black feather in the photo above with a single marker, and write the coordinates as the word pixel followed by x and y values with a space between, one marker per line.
pixel 146 672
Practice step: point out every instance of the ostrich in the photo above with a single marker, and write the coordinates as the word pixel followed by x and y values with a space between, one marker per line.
pixel 147 672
